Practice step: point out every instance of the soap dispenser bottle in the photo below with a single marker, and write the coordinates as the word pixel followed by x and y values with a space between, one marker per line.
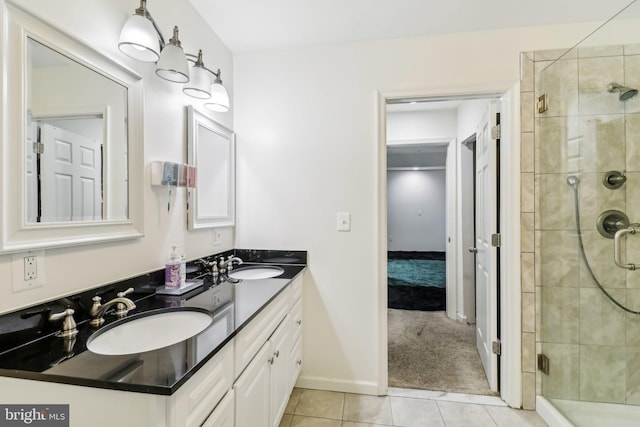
pixel 183 270
pixel 172 270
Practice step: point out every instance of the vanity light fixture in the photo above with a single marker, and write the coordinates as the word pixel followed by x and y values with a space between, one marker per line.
pixel 219 97
pixel 141 39
pixel 172 65
pixel 199 85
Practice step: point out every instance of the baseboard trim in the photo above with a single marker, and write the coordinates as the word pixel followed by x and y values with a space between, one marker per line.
pixel 333 384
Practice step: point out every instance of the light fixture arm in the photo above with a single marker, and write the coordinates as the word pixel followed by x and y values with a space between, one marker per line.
pixel 143 11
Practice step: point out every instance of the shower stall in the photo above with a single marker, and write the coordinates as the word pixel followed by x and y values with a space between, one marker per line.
pixel 587 222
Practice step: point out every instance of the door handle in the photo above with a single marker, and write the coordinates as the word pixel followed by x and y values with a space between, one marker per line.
pixel 473 250
pixel 616 247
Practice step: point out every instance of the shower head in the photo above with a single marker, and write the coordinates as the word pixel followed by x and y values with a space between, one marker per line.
pixel 573 181
pixel 626 93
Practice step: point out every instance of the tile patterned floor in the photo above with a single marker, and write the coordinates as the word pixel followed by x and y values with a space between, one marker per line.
pixel 317 408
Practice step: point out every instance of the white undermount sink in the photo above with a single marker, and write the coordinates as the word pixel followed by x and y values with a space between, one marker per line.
pixel 254 273
pixel 148 332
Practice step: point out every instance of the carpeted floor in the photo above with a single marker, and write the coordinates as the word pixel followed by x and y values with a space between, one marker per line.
pixel 416 280
pixel 429 351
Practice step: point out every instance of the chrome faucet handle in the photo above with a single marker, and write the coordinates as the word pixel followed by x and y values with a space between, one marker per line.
pixel 125 293
pixel 98 310
pixel 68 323
pixel 95 306
pixel 121 309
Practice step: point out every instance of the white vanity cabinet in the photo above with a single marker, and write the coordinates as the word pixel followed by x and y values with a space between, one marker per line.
pixel 295 352
pixel 196 400
pixel 207 398
pixel 247 383
pixel 263 388
pixel 224 414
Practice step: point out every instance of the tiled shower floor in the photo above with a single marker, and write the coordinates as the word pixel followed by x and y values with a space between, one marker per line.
pixel 316 408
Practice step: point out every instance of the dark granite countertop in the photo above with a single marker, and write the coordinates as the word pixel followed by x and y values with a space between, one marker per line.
pixel 161 371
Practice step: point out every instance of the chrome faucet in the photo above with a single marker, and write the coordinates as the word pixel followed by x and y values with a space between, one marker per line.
pixel 121 308
pixel 225 266
pixel 228 264
pixel 98 310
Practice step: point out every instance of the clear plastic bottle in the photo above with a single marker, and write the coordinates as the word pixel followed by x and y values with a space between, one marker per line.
pixel 172 270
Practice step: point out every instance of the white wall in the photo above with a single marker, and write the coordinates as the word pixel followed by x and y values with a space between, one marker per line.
pixel 416 210
pixel 98 24
pixel 308 147
pixel 411 125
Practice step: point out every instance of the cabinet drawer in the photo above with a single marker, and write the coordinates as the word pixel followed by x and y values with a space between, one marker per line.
pixel 296 363
pixel 224 414
pixel 255 334
pixel 195 400
pixel 296 289
pixel 295 320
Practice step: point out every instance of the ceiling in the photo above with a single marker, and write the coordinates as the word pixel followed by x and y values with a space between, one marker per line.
pixel 258 25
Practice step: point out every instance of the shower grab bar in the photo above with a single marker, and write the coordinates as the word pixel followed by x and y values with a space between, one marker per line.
pixel 616 247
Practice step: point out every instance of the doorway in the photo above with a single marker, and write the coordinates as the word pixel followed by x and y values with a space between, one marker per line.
pixel 430 346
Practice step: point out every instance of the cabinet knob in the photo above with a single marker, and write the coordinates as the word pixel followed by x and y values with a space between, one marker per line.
pixel 299 362
pixel 270 360
pixel 276 353
pixel 299 321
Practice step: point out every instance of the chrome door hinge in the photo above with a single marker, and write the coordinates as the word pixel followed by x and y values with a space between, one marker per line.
pixel 38 147
pixel 496 240
pixel 496 347
pixel 542 104
pixel 496 132
pixel 543 364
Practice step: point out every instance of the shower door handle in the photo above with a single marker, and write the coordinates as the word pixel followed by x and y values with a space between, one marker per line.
pixel 616 247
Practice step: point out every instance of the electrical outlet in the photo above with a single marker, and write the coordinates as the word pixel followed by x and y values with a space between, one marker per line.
pixel 27 270
pixel 30 268
pixel 217 237
pixel 343 221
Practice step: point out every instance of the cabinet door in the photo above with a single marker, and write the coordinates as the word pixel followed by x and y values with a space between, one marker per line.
pixel 252 391
pixel 295 363
pixel 280 345
pixel 224 414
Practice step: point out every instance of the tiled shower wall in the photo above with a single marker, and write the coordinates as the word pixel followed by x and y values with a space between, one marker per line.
pixel 593 346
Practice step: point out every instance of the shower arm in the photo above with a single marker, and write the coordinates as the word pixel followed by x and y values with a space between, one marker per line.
pixel 617 257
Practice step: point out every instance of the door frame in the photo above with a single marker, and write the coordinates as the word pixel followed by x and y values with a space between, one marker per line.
pixel 510 307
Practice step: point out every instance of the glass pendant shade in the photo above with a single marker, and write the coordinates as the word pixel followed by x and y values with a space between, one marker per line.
pixel 199 85
pixel 173 65
pixel 219 99
pixel 139 39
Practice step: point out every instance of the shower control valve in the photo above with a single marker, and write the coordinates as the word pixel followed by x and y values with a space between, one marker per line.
pixel 614 179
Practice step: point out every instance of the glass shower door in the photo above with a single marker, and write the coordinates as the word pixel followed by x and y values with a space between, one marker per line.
pixel 588 188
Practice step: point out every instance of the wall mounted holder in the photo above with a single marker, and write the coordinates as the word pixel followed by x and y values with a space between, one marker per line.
pixel 171 174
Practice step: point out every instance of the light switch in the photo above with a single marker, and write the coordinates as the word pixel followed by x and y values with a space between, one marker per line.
pixel 344 221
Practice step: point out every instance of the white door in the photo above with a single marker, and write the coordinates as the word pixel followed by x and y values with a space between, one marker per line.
pixel 71 176
pixel 486 259
pixel 32 171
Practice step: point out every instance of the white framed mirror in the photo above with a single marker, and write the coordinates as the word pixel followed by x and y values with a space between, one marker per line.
pixel 72 148
pixel 211 149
